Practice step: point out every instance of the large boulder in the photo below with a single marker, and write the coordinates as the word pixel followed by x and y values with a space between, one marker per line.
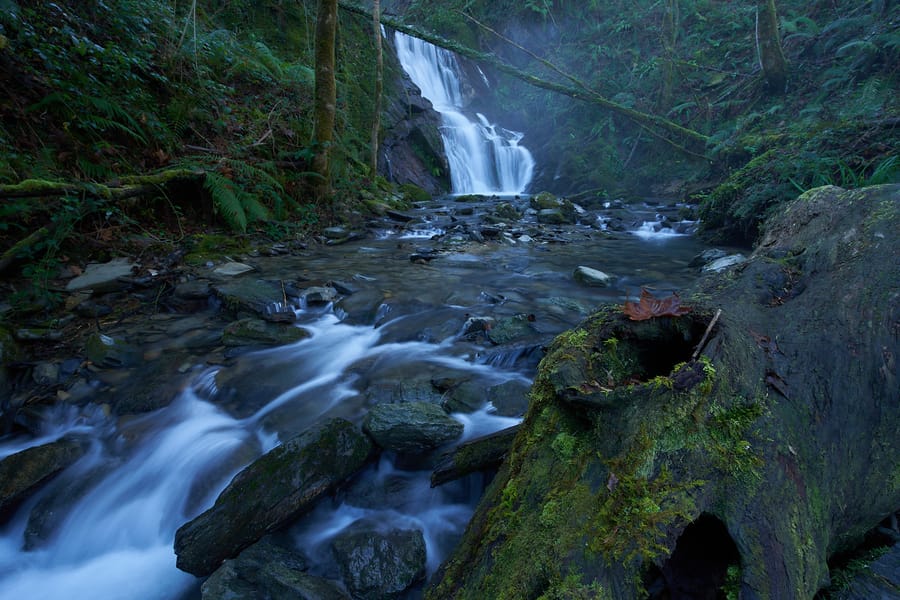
pixel 411 426
pixel 644 469
pixel 270 493
pixel 379 563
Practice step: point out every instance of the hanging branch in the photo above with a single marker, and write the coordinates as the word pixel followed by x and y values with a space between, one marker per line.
pixel 694 141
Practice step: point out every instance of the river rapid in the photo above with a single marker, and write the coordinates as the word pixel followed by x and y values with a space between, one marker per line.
pixel 104 528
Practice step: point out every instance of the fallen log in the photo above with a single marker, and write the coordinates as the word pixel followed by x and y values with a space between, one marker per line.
pixel 480 454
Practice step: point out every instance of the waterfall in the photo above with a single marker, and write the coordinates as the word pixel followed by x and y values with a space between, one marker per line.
pixel 484 157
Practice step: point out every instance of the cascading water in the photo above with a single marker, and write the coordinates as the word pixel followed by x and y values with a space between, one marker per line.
pixel 484 157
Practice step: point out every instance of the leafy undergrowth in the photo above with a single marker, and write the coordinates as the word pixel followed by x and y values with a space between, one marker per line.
pixel 107 91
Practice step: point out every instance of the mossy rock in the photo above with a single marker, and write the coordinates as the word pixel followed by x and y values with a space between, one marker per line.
pixel 787 418
pixel 256 332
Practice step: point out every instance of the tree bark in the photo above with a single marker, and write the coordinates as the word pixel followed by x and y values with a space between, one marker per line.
pixel 785 431
pixel 325 97
pixel 379 83
pixel 693 140
pixel 768 46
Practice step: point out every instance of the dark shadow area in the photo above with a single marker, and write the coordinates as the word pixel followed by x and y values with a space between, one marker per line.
pixel 697 569
pixel 664 342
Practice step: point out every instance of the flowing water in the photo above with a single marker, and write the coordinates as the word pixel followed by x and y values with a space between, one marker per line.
pixel 104 528
pixel 484 157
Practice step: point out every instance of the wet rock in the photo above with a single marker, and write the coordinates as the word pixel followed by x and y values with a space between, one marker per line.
pixel 553 216
pixel 90 309
pixel 111 352
pixel 270 493
pixel 881 580
pixel 464 397
pixel 319 295
pixel 45 373
pixel 102 277
pixel 723 263
pixel 248 295
pixel 707 256
pixel 379 563
pixel 510 398
pixel 197 289
pixel 592 277
pixel 411 426
pixel 231 269
pixel 257 332
pixel 22 473
pixel 512 329
pixel 507 211
pixel 268 570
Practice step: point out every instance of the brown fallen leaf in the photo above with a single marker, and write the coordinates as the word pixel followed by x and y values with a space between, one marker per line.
pixel 649 307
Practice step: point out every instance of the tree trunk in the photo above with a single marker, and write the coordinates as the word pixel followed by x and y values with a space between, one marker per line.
pixel 768 46
pixel 640 468
pixel 325 97
pixel 379 84
pixel 694 141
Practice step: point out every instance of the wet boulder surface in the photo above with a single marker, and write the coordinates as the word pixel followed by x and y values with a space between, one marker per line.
pixel 658 461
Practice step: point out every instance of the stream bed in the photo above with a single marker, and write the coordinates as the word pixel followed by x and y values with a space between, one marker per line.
pixel 423 298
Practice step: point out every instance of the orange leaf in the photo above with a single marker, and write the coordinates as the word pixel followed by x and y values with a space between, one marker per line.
pixel 649 307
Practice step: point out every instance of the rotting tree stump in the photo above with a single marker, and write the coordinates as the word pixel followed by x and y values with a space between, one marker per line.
pixel 778 447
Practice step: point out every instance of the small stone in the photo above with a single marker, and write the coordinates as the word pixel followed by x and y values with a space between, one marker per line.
pixel 231 269
pixel 719 265
pixel 592 277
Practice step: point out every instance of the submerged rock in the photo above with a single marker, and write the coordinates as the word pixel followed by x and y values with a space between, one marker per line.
pixel 377 562
pixel 251 332
pixel 592 277
pixel 270 493
pixel 411 426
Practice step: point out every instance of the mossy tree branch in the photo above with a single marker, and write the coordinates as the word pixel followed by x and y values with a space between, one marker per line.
pixel 693 140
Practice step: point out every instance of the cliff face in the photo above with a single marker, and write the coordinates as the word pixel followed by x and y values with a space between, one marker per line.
pixel 641 471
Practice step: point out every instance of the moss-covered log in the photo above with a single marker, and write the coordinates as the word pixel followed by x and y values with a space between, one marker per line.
pixel 120 189
pixel 695 141
pixel 776 449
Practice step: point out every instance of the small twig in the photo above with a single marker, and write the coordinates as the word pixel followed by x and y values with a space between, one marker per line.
pixel 706 335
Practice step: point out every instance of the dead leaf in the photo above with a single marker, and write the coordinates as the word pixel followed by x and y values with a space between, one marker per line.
pixel 649 307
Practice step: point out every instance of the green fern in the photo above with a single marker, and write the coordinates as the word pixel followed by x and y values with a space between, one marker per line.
pixel 226 200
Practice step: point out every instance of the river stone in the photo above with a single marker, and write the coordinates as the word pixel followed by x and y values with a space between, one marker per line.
pixel 102 277
pixel 270 493
pixel 411 426
pixel 592 277
pixel 268 570
pixel 111 352
pixel 512 329
pixel 231 269
pixel 197 289
pixel 720 264
pixel 464 397
pixel 250 295
pixel 509 399
pixel 377 563
pixel 252 332
pixel 22 473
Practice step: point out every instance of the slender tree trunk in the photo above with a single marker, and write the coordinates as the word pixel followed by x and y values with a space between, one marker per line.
pixel 768 46
pixel 379 83
pixel 325 96
pixel 671 23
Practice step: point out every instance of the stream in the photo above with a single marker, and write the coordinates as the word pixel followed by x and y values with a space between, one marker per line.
pixel 105 526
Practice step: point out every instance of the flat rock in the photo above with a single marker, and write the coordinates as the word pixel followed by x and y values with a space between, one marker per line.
pixel 251 332
pixel 102 277
pixel 230 269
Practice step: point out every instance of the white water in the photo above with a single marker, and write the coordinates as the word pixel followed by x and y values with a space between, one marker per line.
pixel 151 474
pixel 484 157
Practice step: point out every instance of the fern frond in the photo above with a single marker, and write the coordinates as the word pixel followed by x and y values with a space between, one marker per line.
pixel 225 200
